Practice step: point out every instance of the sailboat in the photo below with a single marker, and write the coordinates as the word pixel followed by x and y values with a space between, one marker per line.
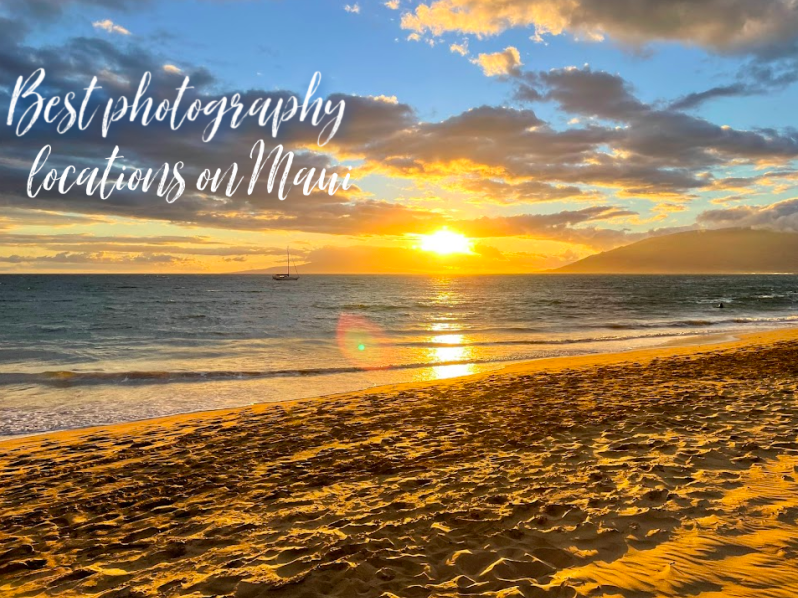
pixel 287 275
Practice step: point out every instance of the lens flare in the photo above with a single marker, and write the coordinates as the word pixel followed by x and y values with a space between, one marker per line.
pixel 362 342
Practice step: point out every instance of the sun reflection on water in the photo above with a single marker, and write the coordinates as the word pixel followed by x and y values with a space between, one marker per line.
pixel 453 348
pixel 450 348
pixel 443 326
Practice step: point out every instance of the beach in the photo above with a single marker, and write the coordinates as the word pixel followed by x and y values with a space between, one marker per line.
pixel 659 472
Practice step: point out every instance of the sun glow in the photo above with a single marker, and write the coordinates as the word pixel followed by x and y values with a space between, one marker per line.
pixel 445 242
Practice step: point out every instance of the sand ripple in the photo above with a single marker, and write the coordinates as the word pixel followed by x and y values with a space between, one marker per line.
pixel 665 476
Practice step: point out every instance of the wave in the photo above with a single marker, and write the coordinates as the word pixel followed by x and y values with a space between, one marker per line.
pixel 785 319
pixel 52 328
pixel 535 345
pixel 692 323
pixel 370 307
pixel 678 324
pixel 73 378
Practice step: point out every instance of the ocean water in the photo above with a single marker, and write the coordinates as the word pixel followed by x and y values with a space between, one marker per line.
pixel 81 350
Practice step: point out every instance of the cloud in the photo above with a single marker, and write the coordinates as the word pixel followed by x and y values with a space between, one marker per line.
pixel 461 49
pixel 79 59
pixel 620 148
pixel 487 154
pixel 83 242
pixel 393 4
pixel 14 217
pixel 51 10
pixel 358 259
pixel 99 253
pixel 560 226
pixel 780 216
pixel 111 27
pixel 518 152
pixel 496 191
pixel 505 62
pixel 170 68
pixel 93 258
pixel 386 99
pixel 591 93
pixel 353 8
pixel 693 100
pixel 721 26
pixel 760 75
pixel 669 138
pixel 503 155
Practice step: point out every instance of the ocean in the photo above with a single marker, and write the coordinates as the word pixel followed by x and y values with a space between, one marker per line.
pixel 78 350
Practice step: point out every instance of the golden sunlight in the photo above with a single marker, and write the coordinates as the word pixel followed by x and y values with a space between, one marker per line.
pixel 448 354
pixel 445 242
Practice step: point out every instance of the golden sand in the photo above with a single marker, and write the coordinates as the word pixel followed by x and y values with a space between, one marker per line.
pixel 668 472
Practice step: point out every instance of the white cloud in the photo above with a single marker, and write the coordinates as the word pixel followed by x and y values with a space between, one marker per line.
pixel 170 68
pixel 111 27
pixel 353 8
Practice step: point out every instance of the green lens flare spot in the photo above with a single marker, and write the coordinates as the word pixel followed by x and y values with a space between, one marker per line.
pixel 361 347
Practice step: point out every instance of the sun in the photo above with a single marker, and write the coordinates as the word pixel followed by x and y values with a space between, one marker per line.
pixel 445 242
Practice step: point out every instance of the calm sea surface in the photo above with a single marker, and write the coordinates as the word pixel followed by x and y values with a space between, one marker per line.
pixel 84 350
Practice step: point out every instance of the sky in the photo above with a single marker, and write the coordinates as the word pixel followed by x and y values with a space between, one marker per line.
pixel 543 131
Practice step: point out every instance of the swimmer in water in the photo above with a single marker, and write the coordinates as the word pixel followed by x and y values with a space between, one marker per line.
pixel 721 306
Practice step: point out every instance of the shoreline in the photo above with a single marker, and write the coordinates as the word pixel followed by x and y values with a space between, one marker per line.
pixel 721 340
pixel 668 471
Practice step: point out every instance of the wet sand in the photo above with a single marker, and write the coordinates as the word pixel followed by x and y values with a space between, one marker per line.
pixel 668 472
